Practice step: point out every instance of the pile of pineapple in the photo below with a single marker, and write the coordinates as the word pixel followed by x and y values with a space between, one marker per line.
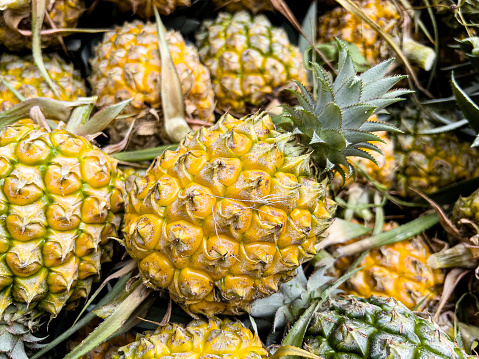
pixel 161 183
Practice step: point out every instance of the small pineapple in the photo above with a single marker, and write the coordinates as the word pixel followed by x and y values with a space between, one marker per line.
pixel 214 338
pixel 127 65
pixel 353 327
pixel 426 163
pixel 16 16
pixel 230 215
pixel 396 270
pixel 104 350
pixel 340 23
pixel 144 8
pixel 255 6
pixel 23 75
pixel 248 59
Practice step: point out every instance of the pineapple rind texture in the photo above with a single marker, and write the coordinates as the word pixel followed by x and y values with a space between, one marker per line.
pixel 214 338
pixel 396 270
pixel 248 58
pixel 340 23
pixel 227 217
pixel 255 6
pixel 127 65
pixel 144 8
pixel 379 328
pixel 23 75
pixel 61 201
pixel 63 13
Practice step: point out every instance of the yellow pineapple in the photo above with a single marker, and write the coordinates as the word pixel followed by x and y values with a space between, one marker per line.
pixel 127 65
pixel 230 215
pixel 16 16
pixel 248 59
pixel 23 75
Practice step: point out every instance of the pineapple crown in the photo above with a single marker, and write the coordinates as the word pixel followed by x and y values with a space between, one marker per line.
pixel 333 119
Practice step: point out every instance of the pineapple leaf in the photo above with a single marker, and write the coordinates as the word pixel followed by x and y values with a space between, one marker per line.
pixel 325 95
pixel 374 126
pixel 375 89
pixel 369 146
pixel 355 115
pixel 357 152
pixel 469 109
pixel 346 66
pixel 357 136
pixel 397 93
pixel 377 72
pixel 350 92
pixel 330 117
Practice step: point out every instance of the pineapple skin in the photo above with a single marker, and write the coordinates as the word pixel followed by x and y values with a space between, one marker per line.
pixel 248 59
pixel 61 200
pixel 396 270
pixel 63 13
pixel 127 65
pixel 255 6
pixel 353 327
pixel 23 75
pixel 144 8
pixel 206 339
pixel 426 163
pixel 340 23
pixel 227 217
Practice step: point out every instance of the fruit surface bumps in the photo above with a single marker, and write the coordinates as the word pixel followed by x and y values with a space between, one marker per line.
pixel 342 24
pixel 378 328
pixel 61 201
pixel 396 270
pixel 127 65
pixel 255 6
pixel 227 217
pixel 214 338
pixel 248 58
pixel 63 13
pixel 144 8
pixel 23 75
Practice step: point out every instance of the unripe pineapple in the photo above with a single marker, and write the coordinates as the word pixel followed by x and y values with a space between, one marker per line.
pixel 379 328
pixel 23 75
pixel 229 216
pixel 248 59
pixel 64 14
pixel 61 201
pixel 396 270
pixel 104 350
pixel 144 8
pixel 423 162
pixel 255 6
pixel 340 23
pixel 214 338
pixel 127 65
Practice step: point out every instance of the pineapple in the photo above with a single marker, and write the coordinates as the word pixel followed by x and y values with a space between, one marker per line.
pixel 229 216
pixel 353 327
pixel 16 17
pixel 104 350
pixel 338 22
pixel 144 8
pixel 396 270
pixel 22 74
pixel 214 338
pixel 255 6
pixel 127 65
pixel 248 59
pixel 423 162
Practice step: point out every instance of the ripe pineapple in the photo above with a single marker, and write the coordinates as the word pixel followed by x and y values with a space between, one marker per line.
pixel 354 327
pixel 144 8
pixel 340 23
pixel 248 59
pixel 104 350
pixel 214 338
pixel 127 65
pixel 16 15
pixel 396 270
pixel 424 162
pixel 229 216
pixel 22 74
pixel 255 6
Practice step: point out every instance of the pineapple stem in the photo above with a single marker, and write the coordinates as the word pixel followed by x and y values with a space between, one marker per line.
pixel 460 255
pixel 79 117
pixel 419 54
